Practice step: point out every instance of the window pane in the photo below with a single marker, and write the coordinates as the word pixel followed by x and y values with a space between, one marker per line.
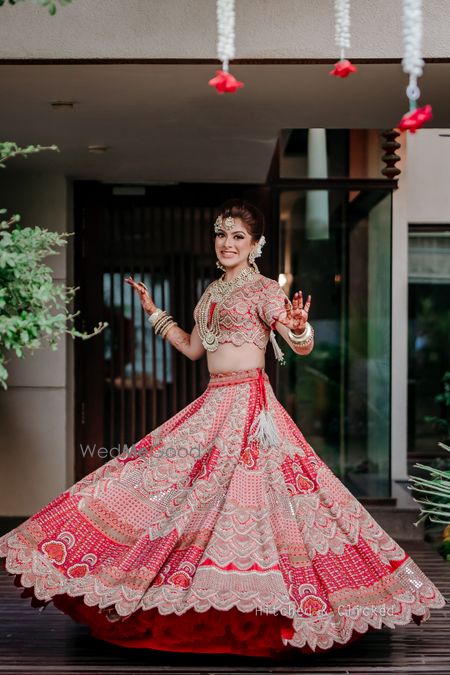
pixel 429 344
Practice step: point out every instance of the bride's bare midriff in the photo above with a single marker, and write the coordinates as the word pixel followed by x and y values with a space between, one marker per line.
pixel 228 357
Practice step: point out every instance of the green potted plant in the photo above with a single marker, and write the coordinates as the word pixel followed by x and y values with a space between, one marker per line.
pixel 33 307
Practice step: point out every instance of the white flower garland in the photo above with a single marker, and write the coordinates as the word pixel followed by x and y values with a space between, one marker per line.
pixel 412 44
pixel 342 25
pixel 225 31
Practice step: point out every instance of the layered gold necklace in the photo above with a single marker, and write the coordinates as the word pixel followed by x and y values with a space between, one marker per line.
pixel 210 303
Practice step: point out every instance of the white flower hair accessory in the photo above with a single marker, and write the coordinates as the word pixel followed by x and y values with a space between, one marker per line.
pixel 258 248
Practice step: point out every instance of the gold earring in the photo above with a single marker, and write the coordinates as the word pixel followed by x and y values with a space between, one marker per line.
pixel 251 260
pixel 220 266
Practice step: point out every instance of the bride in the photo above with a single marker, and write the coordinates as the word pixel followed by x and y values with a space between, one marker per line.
pixel 238 240
pixel 225 532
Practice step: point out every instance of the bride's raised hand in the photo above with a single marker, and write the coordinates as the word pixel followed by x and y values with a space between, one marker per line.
pixel 295 317
pixel 144 296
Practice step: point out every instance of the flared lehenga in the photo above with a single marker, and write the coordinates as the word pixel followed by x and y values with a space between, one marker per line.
pixel 201 539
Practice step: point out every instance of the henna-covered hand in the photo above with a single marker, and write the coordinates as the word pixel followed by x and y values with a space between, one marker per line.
pixel 295 317
pixel 144 296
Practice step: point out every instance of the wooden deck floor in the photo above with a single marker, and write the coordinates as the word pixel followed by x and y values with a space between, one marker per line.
pixel 52 643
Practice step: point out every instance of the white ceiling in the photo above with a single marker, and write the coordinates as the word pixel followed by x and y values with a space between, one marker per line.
pixel 164 123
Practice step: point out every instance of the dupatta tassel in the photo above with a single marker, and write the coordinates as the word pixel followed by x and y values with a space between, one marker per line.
pixel 279 355
pixel 264 429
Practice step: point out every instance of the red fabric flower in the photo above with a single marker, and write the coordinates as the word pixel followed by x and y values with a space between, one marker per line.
pixel 225 82
pixel 414 119
pixel 343 68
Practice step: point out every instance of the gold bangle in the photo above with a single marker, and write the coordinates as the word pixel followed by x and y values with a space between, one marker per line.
pixel 166 329
pixel 155 315
pixel 160 324
pixel 161 319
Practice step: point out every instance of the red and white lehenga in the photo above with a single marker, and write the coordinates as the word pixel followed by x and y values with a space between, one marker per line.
pixel 213 537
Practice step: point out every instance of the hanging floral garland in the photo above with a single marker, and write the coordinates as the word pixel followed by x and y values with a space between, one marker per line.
pixel 224 80
pixel 413 64
pixel 343 67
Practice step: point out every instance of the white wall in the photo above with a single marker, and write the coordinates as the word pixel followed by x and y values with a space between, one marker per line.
pixel 429 176
pixel 36 419
pixel 187 29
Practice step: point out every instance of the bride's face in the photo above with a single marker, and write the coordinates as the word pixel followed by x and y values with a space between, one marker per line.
pixel 233 246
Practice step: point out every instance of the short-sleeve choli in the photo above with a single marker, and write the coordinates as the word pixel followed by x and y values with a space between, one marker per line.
pixel 248 313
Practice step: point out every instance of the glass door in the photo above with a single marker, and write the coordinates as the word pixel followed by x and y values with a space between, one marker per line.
pixel 336 245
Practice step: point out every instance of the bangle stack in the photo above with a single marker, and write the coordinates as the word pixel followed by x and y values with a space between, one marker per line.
pixel 161 322
pixel 304 339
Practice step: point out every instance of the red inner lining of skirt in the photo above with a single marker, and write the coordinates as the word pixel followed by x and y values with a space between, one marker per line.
pixel 213 631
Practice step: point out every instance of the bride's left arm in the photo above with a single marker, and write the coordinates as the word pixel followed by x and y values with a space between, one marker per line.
pixel 298 349
pixel 283 316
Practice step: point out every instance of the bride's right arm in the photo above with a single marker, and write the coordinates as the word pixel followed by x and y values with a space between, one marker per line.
pixel 189 345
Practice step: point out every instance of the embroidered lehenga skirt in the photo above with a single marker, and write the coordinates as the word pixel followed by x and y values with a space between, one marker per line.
pixel 203 539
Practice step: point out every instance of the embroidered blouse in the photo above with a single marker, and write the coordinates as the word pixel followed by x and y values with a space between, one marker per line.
pixel 248 313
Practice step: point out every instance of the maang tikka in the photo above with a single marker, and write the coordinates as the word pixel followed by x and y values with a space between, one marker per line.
pixel 228 223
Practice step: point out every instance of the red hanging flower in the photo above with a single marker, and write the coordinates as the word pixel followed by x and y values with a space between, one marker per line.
pixel 414 119
pixel 343 68
pixel 225 82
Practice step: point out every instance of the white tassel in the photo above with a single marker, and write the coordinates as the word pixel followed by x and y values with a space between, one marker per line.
pixel 264 429
pixel 279 355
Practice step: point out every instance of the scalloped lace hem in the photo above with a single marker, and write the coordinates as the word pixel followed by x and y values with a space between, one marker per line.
pixel 416 595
